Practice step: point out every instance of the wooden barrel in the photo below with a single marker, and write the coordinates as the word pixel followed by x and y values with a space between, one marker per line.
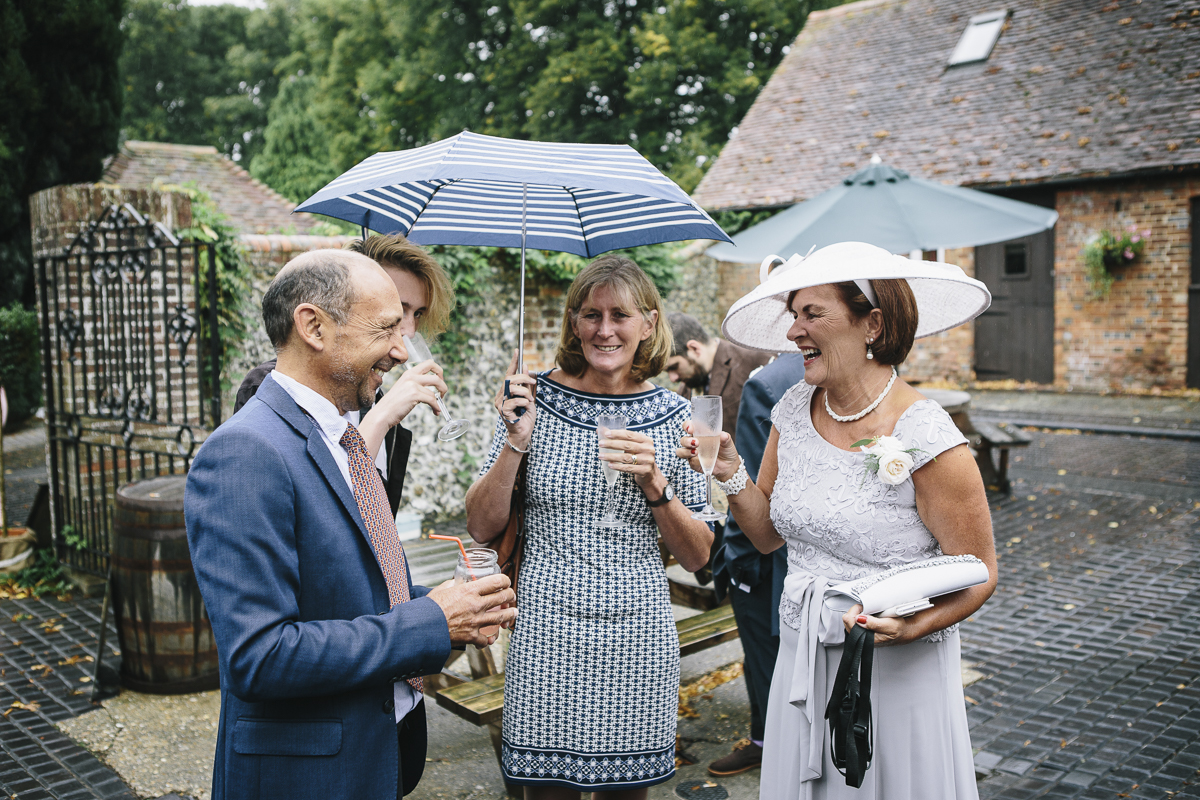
pixel 167 644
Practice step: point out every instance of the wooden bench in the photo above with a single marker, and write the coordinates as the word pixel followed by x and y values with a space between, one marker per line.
pixel 1002 437
pixel 481 701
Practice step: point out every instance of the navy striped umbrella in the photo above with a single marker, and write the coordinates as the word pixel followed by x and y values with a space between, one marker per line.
pixel 473 189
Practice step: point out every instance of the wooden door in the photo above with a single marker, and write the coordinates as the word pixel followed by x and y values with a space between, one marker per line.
pixel 1014 338
pixel 1193 340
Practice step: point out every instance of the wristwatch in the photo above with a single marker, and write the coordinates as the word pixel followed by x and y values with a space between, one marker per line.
pixel 667 496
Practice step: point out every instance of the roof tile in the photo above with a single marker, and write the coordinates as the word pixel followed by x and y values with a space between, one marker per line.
pixel 1072 89
pixel 251 205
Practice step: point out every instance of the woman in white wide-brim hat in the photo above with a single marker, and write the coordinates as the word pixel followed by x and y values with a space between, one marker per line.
pixel 853 310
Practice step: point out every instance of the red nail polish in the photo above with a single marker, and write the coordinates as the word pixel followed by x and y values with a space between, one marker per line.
pixel 862 620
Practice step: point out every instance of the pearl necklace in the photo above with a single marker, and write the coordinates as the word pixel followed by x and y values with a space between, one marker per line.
pixel 865 411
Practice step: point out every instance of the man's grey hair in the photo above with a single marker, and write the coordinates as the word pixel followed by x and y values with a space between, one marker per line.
pixel 684 328
pixel 319 277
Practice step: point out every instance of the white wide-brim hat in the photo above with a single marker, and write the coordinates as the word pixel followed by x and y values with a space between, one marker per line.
pixel 945 296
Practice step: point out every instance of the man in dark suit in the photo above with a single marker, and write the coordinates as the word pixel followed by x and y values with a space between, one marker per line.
pixel 427 297
pixel 754 580
pixel 704 364
pixel 321 635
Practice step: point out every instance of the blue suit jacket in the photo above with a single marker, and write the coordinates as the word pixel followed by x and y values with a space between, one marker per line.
pixel 308 646
pixel 739 559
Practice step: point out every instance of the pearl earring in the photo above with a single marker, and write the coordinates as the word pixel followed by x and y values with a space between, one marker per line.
pixel 870 355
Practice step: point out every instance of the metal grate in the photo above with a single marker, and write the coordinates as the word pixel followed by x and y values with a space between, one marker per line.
pixel 131 372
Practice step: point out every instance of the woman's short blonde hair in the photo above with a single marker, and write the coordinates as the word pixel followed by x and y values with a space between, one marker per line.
pixel 633 287
pixel 393 251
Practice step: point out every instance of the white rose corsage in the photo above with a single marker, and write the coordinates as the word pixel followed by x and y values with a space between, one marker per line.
pixel 887 457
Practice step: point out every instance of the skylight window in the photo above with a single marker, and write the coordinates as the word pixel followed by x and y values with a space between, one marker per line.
pixel 979 38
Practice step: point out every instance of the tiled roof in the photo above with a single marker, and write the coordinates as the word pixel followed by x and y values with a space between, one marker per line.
pixel 1073 89
pixel 252 206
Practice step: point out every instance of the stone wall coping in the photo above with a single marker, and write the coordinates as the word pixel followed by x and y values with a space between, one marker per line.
pixel 295 243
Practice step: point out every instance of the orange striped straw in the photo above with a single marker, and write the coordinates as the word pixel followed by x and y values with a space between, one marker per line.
pixel 461 549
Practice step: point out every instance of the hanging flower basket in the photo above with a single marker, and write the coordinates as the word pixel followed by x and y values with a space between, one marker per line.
pixel 1108 253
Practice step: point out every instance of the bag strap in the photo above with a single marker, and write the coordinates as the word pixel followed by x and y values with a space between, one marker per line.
pixel 849 709
pixel 514 533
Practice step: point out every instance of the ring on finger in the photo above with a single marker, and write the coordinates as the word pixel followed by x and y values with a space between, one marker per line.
pixel 633 459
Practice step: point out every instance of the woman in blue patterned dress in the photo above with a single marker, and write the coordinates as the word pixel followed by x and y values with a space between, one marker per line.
pixel 592 676
pixel 853 310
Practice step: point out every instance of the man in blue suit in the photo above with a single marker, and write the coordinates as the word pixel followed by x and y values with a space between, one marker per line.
pixel 322 637
pixel 755 580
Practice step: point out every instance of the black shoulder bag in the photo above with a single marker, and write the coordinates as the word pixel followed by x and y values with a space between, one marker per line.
pixel 849 709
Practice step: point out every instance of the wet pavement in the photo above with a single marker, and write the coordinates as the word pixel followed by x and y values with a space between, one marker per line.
pixel 1089 651
pixel 47 652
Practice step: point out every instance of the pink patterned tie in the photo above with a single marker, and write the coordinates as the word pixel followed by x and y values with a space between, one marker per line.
pixel 381 525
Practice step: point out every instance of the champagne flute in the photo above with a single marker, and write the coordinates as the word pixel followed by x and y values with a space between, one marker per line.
pixel 604 424
pixel 706 429
pixel 418 352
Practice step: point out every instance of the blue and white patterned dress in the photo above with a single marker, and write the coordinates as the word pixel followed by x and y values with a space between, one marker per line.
pixel 592 675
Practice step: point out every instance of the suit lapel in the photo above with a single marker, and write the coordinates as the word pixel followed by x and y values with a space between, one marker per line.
pixel 282 403
pixel 719 375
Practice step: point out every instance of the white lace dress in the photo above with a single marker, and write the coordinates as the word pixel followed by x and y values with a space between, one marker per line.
pixel 838 528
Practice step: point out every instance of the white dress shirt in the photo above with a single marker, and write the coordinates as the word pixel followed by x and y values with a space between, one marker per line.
pixel 332 426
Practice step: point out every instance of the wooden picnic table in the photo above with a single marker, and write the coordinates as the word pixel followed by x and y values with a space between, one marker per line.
pixel 984 437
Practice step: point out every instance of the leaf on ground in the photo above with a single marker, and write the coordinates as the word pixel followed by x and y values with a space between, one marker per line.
pixel 74 660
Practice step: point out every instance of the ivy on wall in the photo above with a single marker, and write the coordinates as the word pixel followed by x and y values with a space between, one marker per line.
pixel 734 222
pixel 476 271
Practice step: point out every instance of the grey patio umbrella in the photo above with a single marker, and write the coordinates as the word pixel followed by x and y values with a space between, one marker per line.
pixel 885 207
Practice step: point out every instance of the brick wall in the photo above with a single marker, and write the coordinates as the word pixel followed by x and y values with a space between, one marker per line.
pixel 543 325
pixel 947 356
pixel 1136 338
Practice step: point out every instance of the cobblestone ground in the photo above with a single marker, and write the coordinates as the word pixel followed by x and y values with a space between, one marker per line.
pixel 1089 647
pixel 1122 461
pixel 1168 414
pixel 46 652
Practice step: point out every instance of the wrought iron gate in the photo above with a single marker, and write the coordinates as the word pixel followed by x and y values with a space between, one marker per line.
pixel 131 374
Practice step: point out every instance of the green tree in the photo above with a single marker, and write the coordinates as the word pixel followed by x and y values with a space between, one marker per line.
pixel 59 112
pixel 295 158
pixel 697 68
pixel 202 74
pixel 671 78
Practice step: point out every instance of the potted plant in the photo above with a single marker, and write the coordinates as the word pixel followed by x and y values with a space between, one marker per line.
pixel 1107 252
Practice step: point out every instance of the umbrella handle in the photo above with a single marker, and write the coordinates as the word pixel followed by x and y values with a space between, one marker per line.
pixel 520 410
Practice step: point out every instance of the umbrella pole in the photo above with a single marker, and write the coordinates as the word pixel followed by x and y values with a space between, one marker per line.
pixel 521 307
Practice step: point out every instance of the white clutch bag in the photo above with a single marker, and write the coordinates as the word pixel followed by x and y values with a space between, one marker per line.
pixel 909 588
